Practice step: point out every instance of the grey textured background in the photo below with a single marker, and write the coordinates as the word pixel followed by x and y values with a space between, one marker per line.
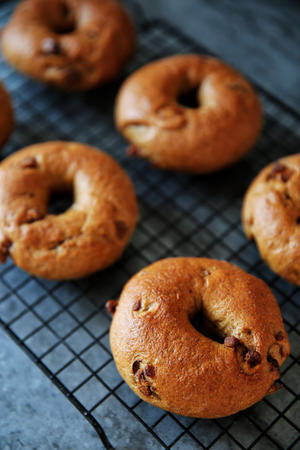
pixel 262 39
pixel 259 37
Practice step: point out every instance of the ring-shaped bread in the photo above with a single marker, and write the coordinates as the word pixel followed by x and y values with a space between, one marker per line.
pixel 73 44
pixel 170 364
pixel 88 236
pixel 271 216
pixel 222 127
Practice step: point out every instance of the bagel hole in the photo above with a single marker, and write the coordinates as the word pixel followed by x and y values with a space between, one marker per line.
pixel 65 22
pixel 189 99
pixel 206 327
pixel 64 28
pixel 60 202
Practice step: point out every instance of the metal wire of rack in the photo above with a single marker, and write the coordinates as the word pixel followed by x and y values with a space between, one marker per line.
pixel 64 327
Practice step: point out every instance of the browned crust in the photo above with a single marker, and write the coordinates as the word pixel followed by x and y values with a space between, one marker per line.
pixel 271 216
pixel 205 139
pixel 171 365
pixel 85 238
pixel 6 115
pixel 103 40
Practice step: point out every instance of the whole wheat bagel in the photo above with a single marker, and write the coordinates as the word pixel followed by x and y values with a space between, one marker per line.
pixel 170 364
pixel 6 115
pixel 73 44
pixel 216 132
pixel 90 235
pixel 271 216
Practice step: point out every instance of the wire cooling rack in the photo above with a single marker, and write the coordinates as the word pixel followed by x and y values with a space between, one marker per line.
pixel 63 326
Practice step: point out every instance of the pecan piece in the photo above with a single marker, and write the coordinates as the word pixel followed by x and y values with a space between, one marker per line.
pixel 51 47
pixel 141 377
pixel 279 336
pixel 253 358
pixel 111 306
pixel 146 390
pixel 137 305
pixel 231 341
pixel 149 371
pixel 29 163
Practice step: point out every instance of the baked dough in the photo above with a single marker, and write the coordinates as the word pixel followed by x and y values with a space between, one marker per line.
pixel 217 132
pixel 271 216
pixel 90 235
pixel 170 364
pixel 6 115
pixel 73 44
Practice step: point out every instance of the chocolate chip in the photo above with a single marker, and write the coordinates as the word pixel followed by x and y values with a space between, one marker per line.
pixel 253 358
pixel 149 371
pixel 298 220
pixel 279 336
pixel 111 306
pixel 281 170
pixel 231 341
pixel 51 47
pixel 121 228
pixel 136 366
pixel 29 163
pixel 285 176
pixel 5 244
pixel 31 215
pixel 273 361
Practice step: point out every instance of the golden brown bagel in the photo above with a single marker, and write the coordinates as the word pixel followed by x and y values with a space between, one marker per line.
pixel 87 237
pixel 217 133
pixel 271 216
pixel 168 363
pixel 73 44
pixel 6 115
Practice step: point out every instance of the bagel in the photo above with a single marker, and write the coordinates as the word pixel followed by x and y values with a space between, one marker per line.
pixel 222 127
pixel 88 236
pixel 73 44
pixel 170 364
pixel 271 216
pixel 6 116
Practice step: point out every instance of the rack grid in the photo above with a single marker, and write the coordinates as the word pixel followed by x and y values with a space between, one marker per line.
pixel 63 326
